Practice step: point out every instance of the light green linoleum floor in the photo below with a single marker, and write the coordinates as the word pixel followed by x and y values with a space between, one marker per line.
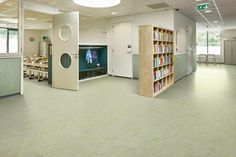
pixel 106 118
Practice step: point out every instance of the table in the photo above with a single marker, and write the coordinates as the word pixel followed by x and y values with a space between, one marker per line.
pixel 40 69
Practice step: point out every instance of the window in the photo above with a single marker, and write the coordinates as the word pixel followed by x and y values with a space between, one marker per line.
pixel 202 42
pixel 13 41
pixel 214 42
pixel 8 40
pixel 208 42
pixel 3 40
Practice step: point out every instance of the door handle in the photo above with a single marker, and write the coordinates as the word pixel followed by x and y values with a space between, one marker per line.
pixel 129 52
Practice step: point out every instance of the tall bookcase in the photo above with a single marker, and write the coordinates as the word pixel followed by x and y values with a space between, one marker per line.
pixel 156 57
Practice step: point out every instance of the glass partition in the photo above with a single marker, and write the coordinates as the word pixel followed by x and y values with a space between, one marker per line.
pixel 208 42
pixel 9 27
pixel 201 42
pixel 214 42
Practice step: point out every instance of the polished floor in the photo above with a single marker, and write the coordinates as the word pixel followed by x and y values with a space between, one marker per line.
pixel 106 118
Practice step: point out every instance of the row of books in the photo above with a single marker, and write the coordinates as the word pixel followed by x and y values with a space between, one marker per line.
pixel 163 48
pixel 163 72
pixel 162 60
pixel 161 84
pixel 163 36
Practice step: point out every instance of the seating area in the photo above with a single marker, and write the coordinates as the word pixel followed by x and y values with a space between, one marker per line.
pixel 208 59
pixel 36 67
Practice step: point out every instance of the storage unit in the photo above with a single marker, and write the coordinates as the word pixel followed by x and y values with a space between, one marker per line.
pixel 230 51
pixel 44 48
pixel 93 61
pixel 156 60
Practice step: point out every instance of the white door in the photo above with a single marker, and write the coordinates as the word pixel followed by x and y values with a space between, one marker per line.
pixel 122 50
pixel 233 52
pixel 228 52
pixel 65 51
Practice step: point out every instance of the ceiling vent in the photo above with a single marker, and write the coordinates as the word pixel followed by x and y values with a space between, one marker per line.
pixel 158 6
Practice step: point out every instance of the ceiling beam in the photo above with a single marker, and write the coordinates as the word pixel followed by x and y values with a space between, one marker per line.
pixel 204 17
pixel 218 12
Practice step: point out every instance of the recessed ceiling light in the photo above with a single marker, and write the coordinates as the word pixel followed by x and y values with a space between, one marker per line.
pixel 114 13
pixel 9 20
pixel 215 21
pixel 97 3
pixel 208 11
pixel 198 0
pixel 31 19
pixel 9 4
pixel 1 1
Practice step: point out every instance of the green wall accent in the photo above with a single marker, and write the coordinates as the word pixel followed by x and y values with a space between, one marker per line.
pixel 180 66
pixel 10 76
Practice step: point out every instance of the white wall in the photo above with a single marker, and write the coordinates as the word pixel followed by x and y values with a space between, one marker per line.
pixel 161 19
pixel 100 31
pixel 226 35
pixel 33 47
pixel 185 39
pixel 93 31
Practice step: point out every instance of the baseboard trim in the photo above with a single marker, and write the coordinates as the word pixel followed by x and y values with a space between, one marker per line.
pixel 10 95
pixel 89 79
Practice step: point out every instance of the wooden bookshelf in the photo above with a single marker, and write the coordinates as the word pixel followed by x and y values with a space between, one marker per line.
pixel 156 55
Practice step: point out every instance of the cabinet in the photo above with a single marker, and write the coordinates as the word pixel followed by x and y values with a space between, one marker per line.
pixel 230 52
pixel 93 61
pixel 156 71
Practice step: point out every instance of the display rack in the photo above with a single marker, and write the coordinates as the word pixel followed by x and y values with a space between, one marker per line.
pixel 156 71
pixel 98 66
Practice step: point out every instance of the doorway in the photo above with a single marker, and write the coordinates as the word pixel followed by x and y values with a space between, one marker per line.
pixel 122 50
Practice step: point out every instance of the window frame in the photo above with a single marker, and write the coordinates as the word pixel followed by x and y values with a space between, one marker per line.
pixel 7 52
pixel 207 43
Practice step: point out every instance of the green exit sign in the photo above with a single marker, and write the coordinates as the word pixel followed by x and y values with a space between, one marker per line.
pixel 203 7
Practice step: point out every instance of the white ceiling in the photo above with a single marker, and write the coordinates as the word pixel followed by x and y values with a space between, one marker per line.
pixel 227 10
pixel 128 7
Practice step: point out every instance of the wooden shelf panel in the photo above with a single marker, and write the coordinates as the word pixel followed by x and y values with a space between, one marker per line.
pixel 163 65
pixel 163 89
pixel 156 58
pixel 162 77
pixel 156 40
pixel 166 53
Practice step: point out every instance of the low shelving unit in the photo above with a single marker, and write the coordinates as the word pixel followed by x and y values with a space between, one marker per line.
pixel 156 71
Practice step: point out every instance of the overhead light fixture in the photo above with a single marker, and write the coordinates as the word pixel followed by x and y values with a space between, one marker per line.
pixel 208 11
pixel 9 20
pixel 9 4
pixel 31 19
pixel 1 1
pixel 97 3
pixel 114 13
pixel 215 21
